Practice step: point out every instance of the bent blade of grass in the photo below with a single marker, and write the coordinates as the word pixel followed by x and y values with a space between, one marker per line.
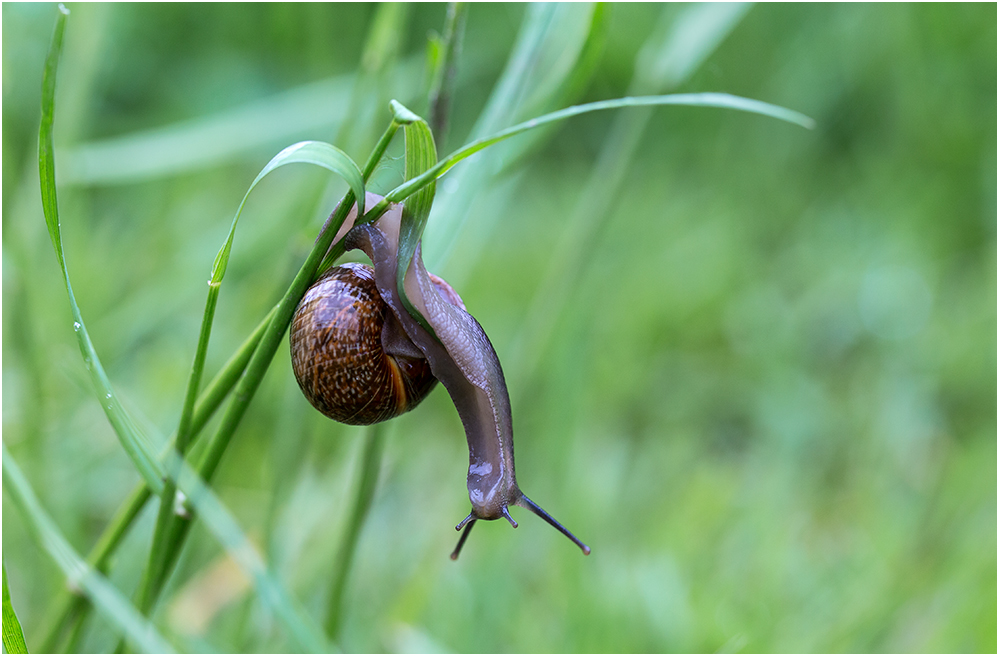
pixel 710 99
pixel 13 636
pixel 136 445
pixel 718 100
pixel 307 152
pixel 105 597
pixel 220 522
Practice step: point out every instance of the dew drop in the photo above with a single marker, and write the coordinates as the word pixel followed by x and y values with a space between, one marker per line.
pixel 76 326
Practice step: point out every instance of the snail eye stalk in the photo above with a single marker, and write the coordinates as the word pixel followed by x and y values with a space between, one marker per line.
pixel 468 523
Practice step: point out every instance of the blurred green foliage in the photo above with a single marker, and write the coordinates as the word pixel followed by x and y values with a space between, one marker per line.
pixel 769 402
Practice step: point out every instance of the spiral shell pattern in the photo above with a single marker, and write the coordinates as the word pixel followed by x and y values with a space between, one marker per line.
pixel 337 353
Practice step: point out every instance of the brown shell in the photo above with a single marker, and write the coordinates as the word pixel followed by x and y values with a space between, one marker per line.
pixel 337 355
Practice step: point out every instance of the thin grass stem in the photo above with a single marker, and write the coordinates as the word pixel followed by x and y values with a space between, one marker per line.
pixel 157 549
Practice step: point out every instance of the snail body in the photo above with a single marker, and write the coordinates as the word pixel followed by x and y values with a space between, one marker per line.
pixel 457 352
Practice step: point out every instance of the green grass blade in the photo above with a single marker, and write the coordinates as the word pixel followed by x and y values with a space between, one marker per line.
pixel 421 154
pixel 157 551
pixel 220 522
pixel 719 100
pixel 134 442
pixel 305 152
pixel 105 597
pixel 13 636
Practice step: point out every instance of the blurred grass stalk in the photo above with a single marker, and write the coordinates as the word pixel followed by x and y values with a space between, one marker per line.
pixel 676 48
pixel 112 604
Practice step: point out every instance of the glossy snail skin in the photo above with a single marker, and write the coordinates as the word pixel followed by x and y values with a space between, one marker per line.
pixel 463 359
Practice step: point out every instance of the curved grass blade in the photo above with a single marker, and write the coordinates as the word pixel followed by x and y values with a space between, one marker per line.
pixel 306 152
pixel 136 445
pixel 13 636
pixel 105 597
pixel 719 100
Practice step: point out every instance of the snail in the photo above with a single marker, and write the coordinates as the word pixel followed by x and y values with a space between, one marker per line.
pixel 360 372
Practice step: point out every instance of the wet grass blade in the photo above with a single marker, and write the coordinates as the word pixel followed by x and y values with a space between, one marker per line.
pixel 105 597
pixel 13 636
pixel 136 445
pixel 67 603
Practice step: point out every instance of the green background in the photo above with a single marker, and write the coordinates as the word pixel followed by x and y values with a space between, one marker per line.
pixel 767 402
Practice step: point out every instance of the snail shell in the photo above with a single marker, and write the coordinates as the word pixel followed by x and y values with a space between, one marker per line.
pixel 349 354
